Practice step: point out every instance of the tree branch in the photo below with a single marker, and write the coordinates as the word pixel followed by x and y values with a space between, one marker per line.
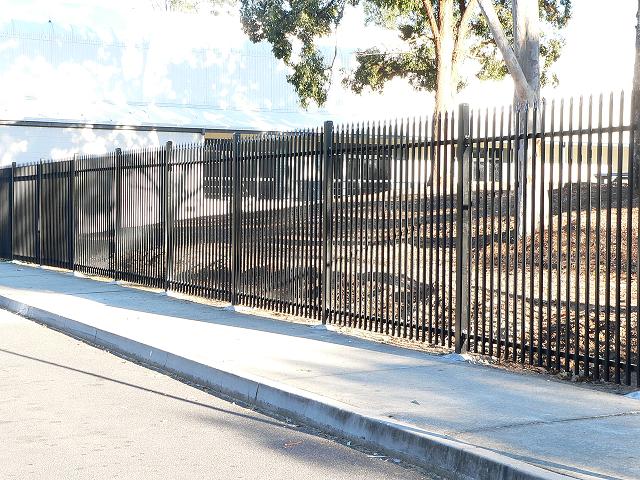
pixel 432 21
pixel 463 28
pixel 523 89
pixel 466 14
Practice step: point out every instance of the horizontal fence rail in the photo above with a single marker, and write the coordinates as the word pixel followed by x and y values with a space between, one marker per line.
pixel 511 233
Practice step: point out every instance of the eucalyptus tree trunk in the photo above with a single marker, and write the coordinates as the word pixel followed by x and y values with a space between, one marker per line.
pixel 523 63
pixel 526 35
pixel 447 79
pixel 446 76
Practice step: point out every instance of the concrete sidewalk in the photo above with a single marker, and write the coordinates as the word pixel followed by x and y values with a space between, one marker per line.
pixel 475 421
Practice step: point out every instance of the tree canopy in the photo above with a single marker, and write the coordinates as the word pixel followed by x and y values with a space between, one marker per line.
pixel 437 35
pixel 192 6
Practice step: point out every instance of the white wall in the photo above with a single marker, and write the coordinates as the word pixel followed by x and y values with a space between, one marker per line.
pixel 30 144
pixel 96 62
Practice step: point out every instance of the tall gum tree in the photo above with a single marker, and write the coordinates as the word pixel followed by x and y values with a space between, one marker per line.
pixel 437 36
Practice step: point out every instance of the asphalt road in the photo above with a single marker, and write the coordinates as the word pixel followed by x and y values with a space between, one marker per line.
pixel 69 410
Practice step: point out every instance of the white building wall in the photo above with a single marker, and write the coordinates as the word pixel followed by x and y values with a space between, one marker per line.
pixel 22 144
pixel 99 63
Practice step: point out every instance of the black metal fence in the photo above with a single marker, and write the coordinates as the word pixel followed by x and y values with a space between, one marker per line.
pixel 510 233
pixel 554 243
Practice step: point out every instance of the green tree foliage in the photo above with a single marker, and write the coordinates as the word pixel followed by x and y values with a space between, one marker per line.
pixel 193 6
pixel 437 35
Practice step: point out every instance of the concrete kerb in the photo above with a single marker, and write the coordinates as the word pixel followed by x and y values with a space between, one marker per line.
pixel 449 458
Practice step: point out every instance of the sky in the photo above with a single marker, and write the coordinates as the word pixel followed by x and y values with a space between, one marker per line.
pixel 598 55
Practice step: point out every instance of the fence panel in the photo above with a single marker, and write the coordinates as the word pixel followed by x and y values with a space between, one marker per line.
pixel 199 239
pixel 95 214
pixel 555 234
pixel 394 228
pixel 493 263
pixel 56 214
pixel 139 216
pixel 5 212
pixel 280 222
pixel 26 207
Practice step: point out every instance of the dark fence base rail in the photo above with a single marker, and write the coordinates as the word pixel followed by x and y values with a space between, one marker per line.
pixel 510 233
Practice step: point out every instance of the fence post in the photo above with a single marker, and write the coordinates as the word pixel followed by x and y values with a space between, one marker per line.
pixel 463 219
pixel 327 218
pixel 166 205
pixel 11 208
pixel 236 212
pixel 117 222
pixel 38 218
pixel 71 219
